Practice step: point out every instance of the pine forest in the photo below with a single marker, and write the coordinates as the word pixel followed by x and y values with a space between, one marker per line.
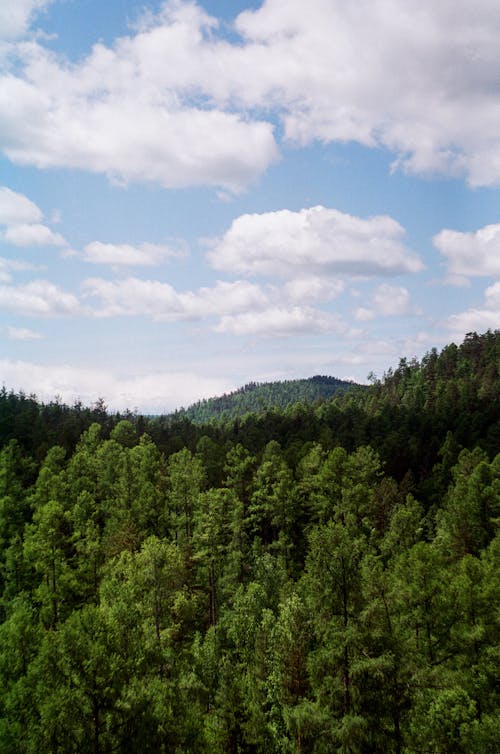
pixel 305 575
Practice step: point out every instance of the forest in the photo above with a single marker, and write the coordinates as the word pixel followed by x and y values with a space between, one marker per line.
pixel 317 577
pixel 257 397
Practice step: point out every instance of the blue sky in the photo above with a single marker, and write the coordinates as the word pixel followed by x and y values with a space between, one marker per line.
pixel 198 195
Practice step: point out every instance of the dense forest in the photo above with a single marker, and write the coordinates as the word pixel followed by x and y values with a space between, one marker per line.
pixel 322 577
pixel 261 396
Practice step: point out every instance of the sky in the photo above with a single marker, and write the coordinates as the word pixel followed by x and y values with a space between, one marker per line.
pixel 194 196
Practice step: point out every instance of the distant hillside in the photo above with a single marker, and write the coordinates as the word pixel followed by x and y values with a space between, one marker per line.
pixel 256 397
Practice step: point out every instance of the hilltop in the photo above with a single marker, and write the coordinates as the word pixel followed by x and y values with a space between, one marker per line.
pixel 256 397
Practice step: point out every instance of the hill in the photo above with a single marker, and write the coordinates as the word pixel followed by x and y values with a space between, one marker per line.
pixel 257 397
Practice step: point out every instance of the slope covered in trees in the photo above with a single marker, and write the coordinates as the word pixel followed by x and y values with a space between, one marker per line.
pixel 316 579
pixel 258 397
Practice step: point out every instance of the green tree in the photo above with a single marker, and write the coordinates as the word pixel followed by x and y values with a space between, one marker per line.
pixel 48 549
pixel 81 693
pixel 332 588
pixel 186 477
pixel 20 637
pixel 467 521
pixel 272 511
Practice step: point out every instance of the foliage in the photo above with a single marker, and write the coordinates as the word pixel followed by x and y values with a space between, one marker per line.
pixel 315 579
pixel 258 397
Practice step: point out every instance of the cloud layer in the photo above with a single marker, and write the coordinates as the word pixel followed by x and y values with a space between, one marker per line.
pixel 419 78
pixel 315 250
pixel 161 302
pixel 116 113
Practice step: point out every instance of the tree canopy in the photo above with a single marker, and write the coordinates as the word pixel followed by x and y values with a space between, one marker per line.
pixel 321 577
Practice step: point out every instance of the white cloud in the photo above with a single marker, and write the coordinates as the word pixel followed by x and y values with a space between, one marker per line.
pixel 15 16
pixel 418 78
pixel 156 392
pixel 117 113
pixel 34 234
pixel 225 298
pixel 38 298
pixel 362 314
pixel 5 276
pixel 21 218
pixel 478 319
pixel 127 255
pixel 162 302
pixel 13 265
pixel 313 289
pixel 492 296
pixel 469 254
pixel 282 322
pixel 17 209
pixel 22 333
pixel 242 308
pixel 133 297
pixel 392 300
pixel 316 240
pixel 388 301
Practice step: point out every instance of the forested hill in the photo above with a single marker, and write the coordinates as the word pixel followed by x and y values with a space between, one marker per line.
pixel 257 397
pixel 318 579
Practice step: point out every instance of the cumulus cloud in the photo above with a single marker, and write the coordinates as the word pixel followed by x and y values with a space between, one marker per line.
pixel 417 77
pixel 362 314
pixel 17 209
pixel 22 333
pixel 38 298
pixel 226 298
pixel 480 319
pixel 185 97
pixel 392 300
pixel 7 266
pixel 162 302
pixel 282 322
pixel 319 240
pixel 469 254
pixel 32 235
pixel 15 17
pixel 155 392
pixel 313 289
pixel 117 113
pixel 127 255
pixel 389 301
pixel 133 297
pixel 241 308
pixel 21 218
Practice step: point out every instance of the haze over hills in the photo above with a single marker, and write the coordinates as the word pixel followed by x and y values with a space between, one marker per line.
pixel 257 397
